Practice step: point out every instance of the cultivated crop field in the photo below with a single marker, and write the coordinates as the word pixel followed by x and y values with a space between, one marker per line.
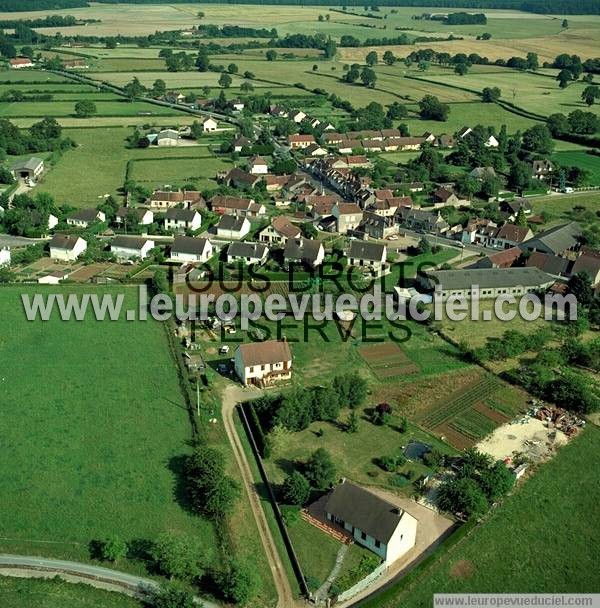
pixel 93 424
pixel 387 360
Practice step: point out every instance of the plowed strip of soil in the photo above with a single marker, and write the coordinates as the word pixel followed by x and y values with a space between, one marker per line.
pixel 488 412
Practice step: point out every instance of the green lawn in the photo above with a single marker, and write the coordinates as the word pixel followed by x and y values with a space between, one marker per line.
pixel 93 426
pixel 118 107
pixel 41 593
pixel 542 539
pixel 583 160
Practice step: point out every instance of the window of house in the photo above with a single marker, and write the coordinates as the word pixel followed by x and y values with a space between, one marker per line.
pixel 377 544
pixel 363 536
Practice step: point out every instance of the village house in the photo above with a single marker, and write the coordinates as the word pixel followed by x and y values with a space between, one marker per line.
pixel 237 105
pixel 83 218
pixel 174 97
pixel 491 282
pixel 67 247
pixel 37 219
pixel 418 219
pixel 233 227
pixel 474 228
pixel 542 169
pixel 279 231
pixel 445 197
pixel 258 166
pixel 481 173
pixel 444 141
pixel 238 178
pixel 502 259
pixel 304 251
pixel 347 215
pixel 380 526
pixel 377 226
pixel 491 142
pixel 509 235
pixel 18 63
pixel 241 142
pixel 234 205
pixel 512 208
pixel 128 247
pixel 315 150
pixel 559 240
pixel 250 253
pixel 588 263
pixel 551 264
pixel 263 363
pixel 134 215
pixel 297 142
pixel 29 169
pixel 189 249
pixel 297 116
pixel 182 220
pixel 209 125
pixel 165 199
pixel 364 254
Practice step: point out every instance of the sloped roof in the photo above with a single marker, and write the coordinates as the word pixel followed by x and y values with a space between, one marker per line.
pixel 557 239
pixel 365 250
pixel 364 510
pixel 490 278
pixel 129 242
pixel 303 249
pixel 247 250
pixel 231 222
pixel 188 244
pixel 64 241
pixel 263 353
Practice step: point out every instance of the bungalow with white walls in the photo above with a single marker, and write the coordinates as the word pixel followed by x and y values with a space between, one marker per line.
pixel 67 247
pixel 187 249
pixel 129 247
pixel 263 363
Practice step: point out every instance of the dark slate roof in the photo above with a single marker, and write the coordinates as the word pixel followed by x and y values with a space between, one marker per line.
pixel 129 242
pixel 64 241
pixel 85 215
pixel 490 278
pixel 247 250
pixel 546 262
pixel 188 244
pixel 557 239
pixel 364 250
pixel 302 249
pixel 181 215
pixel 231 222
pixel 364 510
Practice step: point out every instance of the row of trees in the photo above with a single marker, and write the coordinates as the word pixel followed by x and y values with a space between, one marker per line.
pixel 43 136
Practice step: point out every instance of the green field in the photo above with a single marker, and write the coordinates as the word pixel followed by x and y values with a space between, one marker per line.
pixel 581 159
pixel 535 93
pixel 91 436
pixel 97 166
pixel 40 593
pixel 513 551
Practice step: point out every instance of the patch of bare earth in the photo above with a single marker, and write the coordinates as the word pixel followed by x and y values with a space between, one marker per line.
pixel 462 569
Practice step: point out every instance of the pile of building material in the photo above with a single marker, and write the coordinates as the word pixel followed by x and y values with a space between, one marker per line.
pixel 558 418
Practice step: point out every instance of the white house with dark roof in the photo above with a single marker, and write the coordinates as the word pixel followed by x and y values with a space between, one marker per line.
pixel 258 165
pixel 348 216
pixel 67 247
pixel 366 254
pixel 86 217
pixel 209 125
pixel 380 526
pixel 232 227
pixel 129 247
pixel 249 253
pixel 181 220
pixel 305 251
pixel 134 215
pixel 263 363
pixel 187 249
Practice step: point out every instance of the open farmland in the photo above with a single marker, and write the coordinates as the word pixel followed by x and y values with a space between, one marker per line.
pixel 387 360
pixel 580 158
pixel 513 550
pixel 89 449
pixel 101 159
pixel 39 593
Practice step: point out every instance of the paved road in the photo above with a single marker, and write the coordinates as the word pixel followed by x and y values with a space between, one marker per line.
pixel 231 397
pixel 96 576
pixel 7 240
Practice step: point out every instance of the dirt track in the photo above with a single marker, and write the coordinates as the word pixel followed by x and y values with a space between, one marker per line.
pixel 233 395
